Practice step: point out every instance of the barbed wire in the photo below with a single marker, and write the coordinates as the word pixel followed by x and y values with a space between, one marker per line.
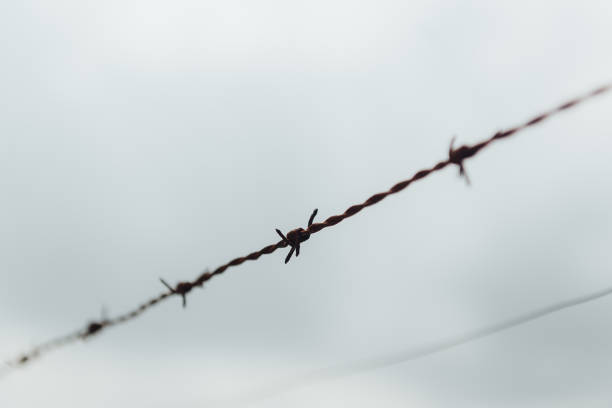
pixel 295 237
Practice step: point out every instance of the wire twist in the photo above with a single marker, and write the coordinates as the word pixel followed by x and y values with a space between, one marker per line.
pixel 295 237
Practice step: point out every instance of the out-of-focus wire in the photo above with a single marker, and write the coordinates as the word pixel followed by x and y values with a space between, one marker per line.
pixel 399 357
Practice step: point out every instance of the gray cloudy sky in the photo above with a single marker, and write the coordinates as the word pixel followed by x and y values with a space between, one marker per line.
pixel 141 139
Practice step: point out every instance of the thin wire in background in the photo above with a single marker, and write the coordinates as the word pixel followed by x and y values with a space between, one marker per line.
pixel 363 366
pixel 295 237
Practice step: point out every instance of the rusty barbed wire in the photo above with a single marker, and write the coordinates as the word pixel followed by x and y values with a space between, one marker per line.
pixel 296 236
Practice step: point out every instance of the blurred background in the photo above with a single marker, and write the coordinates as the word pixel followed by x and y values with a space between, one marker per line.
pixel 147 139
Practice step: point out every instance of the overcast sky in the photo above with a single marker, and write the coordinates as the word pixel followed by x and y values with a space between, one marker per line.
pixel 147 139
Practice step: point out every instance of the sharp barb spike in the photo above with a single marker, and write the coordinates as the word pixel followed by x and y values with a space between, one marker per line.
pixel 282 236
pixel 311 219
pixel 170 288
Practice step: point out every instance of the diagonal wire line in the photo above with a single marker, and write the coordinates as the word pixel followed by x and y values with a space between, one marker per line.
pixel 362 366
pixel 295 237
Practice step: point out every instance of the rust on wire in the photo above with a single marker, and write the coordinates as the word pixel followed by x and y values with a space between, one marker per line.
pixel 182 288
pixel 457 156
pixel 95 326
pixel 295 237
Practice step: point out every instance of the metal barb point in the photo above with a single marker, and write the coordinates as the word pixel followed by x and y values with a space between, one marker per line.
pixel 457 157
pixel 295 237
pixel 93 327
pixel 182 288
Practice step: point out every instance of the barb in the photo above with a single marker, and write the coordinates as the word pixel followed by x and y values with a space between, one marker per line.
pixel 295 237
pixel 363 366
pixel 457 157
pixel 182 288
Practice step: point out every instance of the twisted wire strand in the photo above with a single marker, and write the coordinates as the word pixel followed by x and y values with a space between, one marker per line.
pixel 455 156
